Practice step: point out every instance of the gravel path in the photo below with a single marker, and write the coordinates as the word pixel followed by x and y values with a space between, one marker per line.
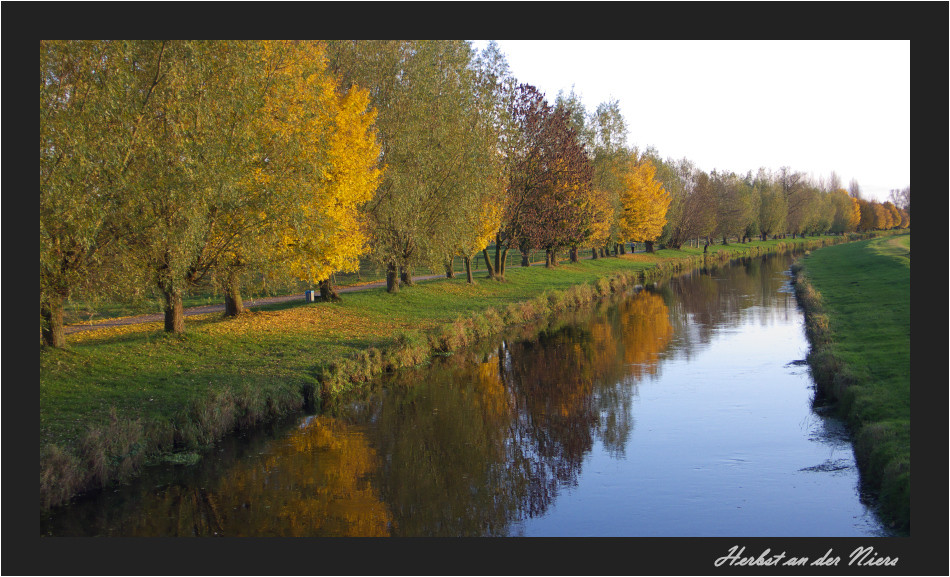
pixel 205 309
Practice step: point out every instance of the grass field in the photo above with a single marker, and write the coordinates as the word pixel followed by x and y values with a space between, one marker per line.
pixel 115 399
pixel 857 300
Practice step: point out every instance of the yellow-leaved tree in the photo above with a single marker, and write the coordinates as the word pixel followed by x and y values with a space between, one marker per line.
pixel 644 203
pixel 319 155
pixel 603 217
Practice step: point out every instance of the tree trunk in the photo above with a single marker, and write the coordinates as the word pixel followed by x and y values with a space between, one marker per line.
pixel 233 303
pixel 649 246
pixel 174 312
pixel 53 331
pixel 724 243
pixel 501 259
pixel 468 269
pixel 327 292
pixel 593 254
pixel 574 254
pixel 524 259
pixel 488 265
pixel 499 262
pixel 405 275
pixel 392 279
pixel 550 260
pixel 450 267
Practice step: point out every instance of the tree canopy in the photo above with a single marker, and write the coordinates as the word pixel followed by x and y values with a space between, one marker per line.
pixel 168 165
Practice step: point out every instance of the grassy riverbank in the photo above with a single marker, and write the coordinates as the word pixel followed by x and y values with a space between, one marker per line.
pixel 116 399
pixel 857 302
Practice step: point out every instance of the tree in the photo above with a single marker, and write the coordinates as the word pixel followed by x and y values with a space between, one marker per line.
pixel 893 215
pixel 549 177
pixel 801 199
pixel 733 204
pixel 868 214
pixel 668 173
pixel 834 182
pixel 644 202
pixel 434 144
pixel 523 102
pixel 611 158
pixel 317 156
pixel 773 208
pixel 905 218
pixel 203 186
pixel 823 213
pixel 854 189
pixel 180 181
pixel 900 198
pixel 476 216
pixel 881 216
pixel 846 211
pixel 82 149
pixel 694 210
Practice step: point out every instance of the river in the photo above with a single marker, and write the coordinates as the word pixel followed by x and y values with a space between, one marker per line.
pixel 683 409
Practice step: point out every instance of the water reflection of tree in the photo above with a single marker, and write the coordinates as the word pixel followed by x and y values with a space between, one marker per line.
pixel 442 434
pixel 706 300
pixel 318 480
pixel 468 446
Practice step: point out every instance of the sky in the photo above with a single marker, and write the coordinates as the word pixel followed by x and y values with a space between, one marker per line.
pixel 816 107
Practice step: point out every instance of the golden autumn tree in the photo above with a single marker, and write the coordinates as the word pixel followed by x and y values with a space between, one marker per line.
pixel 847 212
pixel 644 202
pixel 602 221
pixel 314 160
pixel 893 214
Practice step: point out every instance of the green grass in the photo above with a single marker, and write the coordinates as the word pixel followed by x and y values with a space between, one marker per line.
pixel 117 398
pixel 862 356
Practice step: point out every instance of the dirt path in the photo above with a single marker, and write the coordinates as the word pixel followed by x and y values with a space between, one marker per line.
pixel 205 309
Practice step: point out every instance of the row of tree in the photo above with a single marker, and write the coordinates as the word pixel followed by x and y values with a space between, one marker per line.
pixel 766 204
pixel 169 164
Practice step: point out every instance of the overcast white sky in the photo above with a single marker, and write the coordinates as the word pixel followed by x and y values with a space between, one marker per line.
pixel 814 106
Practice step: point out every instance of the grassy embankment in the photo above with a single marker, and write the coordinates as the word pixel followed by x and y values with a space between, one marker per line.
pixel 116 399
pixel 857 302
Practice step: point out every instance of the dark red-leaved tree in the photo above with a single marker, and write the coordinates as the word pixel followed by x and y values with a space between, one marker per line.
pixel 549 177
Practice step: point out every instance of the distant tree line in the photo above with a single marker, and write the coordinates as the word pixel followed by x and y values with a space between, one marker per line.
pixel 167 165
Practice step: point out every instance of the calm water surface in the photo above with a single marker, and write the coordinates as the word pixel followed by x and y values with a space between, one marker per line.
pixel 680 410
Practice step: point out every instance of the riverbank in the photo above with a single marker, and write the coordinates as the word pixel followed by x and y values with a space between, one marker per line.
pixel 117 399
pixel 856 299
